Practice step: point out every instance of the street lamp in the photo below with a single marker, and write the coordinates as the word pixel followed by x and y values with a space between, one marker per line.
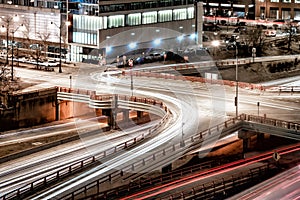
pixel 215 44
pixel 12 51
pixel 60 27
pixel 236 78
pixel 6 28
pixel 3 29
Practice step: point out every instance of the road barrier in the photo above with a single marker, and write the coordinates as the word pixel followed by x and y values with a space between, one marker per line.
pixel 197 139
pixel 243 85
pixel 52 178
pixel 189 143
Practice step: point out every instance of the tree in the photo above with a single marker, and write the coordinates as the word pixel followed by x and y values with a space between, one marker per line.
pixel 254 37
pixel 291 30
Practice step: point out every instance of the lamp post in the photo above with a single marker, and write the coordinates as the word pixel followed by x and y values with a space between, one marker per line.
pixel 236 79
pixel 215 44
pixel 12 51
pixel 60 27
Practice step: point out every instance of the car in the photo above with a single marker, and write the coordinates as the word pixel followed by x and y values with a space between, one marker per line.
pixel 240 29
pixel 270 33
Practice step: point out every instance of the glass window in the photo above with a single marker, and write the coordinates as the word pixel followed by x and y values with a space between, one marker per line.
pixel 297 15
pixel 180 14
pixel 116 21
pixel 274 0
pixel 274 13
pixel 164 15
pixel 151 4
pixel 190 13
pixel 149 17
pixel 134 19
pixel 297 1
pixel 286 1
pixel 285 13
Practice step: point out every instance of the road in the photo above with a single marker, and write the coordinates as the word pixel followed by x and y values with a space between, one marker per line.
pixel 194 106
pixel 24 170
pixel 284 186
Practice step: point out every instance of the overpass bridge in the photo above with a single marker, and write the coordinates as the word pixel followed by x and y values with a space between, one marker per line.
pixel 164 155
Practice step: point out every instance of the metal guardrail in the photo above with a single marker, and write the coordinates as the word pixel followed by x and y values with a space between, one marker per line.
pixel 163 178
pixel 149 159
pixel 95 186
pixel 243 85
pixel 221 188
pixel 58 175
pixel 283 89
pixel 197 138
pixel 226 187
pixel 272 122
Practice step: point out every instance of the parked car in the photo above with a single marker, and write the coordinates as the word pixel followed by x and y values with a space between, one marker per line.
pixel 270 33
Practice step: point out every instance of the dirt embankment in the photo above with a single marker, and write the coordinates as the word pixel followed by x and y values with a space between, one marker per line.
pixel 262 72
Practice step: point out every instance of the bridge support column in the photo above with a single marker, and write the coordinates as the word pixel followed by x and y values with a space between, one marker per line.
pixel 139 114
pixel 245 145
pixel 260 139
pixel 110 117
pixel 125 115
pixel 167 168
pixel 57 111
pixel 245 136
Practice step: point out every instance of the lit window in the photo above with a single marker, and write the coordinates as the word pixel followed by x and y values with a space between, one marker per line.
pixel 134 19
pixel 165 15
pixel 149 17
pixel 116 21
pixel 180 14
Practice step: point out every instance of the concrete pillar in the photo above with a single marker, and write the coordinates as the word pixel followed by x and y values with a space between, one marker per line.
pixel 167 168
pixel 260 138
pixel 139 114
pixel 245 136
pixel 57 111
pixel 199 23
pixel 245 145
pixel 110 117
pixel 125 115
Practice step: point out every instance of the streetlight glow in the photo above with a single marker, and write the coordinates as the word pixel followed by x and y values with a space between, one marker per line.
pixel 215 43
pixel 180 38
pixel 193 36
pixel 108 49
pixel 132 45
pixel 157 41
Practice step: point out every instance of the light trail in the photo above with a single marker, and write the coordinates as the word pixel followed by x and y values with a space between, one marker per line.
pixel 192 179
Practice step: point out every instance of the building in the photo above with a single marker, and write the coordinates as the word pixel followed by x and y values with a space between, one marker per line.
pixel 278 9
pixel 93 21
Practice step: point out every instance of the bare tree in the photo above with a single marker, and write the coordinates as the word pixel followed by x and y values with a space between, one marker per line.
pixel 291 30
pixel 254 38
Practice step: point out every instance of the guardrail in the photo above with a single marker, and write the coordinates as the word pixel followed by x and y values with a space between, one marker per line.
pixel 189 142
pixel 165 152
pixel 95 186
pixel 283 89
pixel 273 122
pixel 163 178
pixel 221 188
pixel 77 166
pixel 243 85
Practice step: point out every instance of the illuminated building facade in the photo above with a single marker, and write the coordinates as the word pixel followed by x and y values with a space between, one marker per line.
pixel 92 21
